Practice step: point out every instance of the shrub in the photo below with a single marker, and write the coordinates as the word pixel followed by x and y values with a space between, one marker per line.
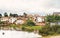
pixel 30 23
pixel 48 30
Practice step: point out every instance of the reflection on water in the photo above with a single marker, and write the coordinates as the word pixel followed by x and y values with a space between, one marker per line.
pixel 17 34
pixel 3 33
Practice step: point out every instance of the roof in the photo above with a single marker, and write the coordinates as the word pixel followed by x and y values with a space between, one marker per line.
pixel 56 13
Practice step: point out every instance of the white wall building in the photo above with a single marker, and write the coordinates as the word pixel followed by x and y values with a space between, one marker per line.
pixel 12 20
pixel 19 22
pixel 39 19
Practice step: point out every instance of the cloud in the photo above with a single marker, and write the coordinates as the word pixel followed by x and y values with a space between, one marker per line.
pixel 31 5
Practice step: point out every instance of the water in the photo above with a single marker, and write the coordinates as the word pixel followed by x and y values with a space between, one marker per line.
pixel 17 34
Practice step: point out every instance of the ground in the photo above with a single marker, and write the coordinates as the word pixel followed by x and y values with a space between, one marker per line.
pixel 57 36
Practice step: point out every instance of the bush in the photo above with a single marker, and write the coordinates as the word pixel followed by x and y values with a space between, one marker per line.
pixel 30 23
pixel 48 30
pixel 23 28
pixel 13 26
pixel 31 28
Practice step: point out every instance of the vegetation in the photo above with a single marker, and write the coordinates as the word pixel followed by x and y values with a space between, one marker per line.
pixel 0 15
pixel 5 14
pixel 25 15
pixel 52 18
pixel 13 15
pixel 30 26
pixel 30 23
pixel 48 29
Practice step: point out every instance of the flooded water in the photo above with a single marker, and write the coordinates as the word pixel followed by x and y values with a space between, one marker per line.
pixel 17 34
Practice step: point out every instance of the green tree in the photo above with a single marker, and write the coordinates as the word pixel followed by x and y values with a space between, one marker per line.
pixel 15 15
pixel 25 15
pixel 0 15
pixel 11 14
pixel 30 22
pixel 5 14
pixel 52 18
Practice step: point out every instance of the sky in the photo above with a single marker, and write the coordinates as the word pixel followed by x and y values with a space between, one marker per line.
pixel 41 7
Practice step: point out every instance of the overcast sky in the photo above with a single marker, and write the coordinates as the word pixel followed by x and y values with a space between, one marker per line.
pixel 30 6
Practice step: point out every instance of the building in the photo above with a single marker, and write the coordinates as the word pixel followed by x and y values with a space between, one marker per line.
pixel 20 21
pixel 12 19
pixel 56 13
pixel 4 19
pixel 39 20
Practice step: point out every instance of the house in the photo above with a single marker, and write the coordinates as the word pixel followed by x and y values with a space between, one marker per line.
pixel 39 20
pixel 4 19
pixel 20 21
pixel 12 19
pixel 54 23
pixel 56 13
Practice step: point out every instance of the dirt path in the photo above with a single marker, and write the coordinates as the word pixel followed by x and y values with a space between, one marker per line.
pixel 52 36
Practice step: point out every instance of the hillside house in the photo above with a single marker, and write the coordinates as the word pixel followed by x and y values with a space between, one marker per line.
pixel 12 19
pixel 39 20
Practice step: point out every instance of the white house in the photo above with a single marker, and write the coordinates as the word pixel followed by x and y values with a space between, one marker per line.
pixel 39 19
pixel 12 20
pixel 19 21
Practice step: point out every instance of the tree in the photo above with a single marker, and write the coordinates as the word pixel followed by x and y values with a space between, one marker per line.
pixel 11 14
pixel 5 14
pixel 25 15
pixel 53 19
pixel 15 15
pixel 0 15
pixel 50 18
pixel 30 22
